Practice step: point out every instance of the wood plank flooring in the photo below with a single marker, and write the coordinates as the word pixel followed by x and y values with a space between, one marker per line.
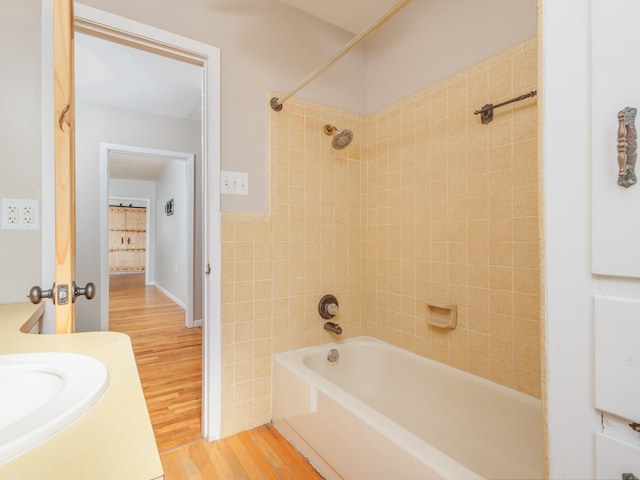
pixel 169 359
pixel 258 454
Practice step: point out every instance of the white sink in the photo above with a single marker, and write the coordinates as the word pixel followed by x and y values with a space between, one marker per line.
pixel 43 393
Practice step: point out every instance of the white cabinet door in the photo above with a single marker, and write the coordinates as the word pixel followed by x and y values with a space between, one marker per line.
pixel 614 457
pixel 617 356
pixel 615 73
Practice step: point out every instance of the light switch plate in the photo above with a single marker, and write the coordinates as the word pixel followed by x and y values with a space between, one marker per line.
pixel 234 183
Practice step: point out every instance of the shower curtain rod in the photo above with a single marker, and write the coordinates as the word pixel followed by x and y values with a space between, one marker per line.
pixel 276 102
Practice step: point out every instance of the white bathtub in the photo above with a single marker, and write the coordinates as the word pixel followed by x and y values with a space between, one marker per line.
pixel 381 412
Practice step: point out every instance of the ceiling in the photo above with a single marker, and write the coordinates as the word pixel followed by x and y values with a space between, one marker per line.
pixel 112 74
pixel 136 166
pixel 351 15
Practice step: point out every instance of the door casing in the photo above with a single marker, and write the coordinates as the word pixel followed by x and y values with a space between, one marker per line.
pixel 189 159
pixel 104 24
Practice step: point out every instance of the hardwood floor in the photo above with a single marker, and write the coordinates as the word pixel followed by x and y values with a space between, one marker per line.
pixel 169 359
pixel 261 453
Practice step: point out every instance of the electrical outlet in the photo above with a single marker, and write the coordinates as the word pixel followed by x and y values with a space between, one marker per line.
pixel 27 215
pixel 19 214
pixel 12 213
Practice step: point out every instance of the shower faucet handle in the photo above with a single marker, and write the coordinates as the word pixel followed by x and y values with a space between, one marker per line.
pixel 328 307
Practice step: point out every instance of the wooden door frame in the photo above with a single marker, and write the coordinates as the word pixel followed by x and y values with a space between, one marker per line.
pixel 208 56
pixel 189 159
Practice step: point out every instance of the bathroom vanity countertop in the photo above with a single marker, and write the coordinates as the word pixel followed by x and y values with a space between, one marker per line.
pixel 114 440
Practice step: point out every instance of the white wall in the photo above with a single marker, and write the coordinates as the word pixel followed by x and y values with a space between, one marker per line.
pixel 432 40
pixel 98 123
pixel 170 241
pixel 566 98
pixel 20 142
pixel 265 46
pixel 125 188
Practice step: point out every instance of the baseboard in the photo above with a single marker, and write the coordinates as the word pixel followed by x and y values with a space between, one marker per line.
pixel 170 295
pixel 197 323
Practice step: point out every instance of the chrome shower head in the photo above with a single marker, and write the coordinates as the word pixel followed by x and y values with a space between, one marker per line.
pixel 341 138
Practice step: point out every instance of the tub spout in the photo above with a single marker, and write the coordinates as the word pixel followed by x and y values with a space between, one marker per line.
pixel 333 327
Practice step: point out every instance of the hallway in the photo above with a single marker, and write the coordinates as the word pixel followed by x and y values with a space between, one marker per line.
pixel 169 357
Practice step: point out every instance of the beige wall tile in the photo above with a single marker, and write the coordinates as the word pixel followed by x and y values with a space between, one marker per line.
pixel 483 206
pixel 502 373
pixel 425 204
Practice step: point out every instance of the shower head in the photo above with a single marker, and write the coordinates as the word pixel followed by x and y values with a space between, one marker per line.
pixel 341 138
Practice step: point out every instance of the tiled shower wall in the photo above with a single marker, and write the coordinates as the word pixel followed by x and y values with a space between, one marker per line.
pixel 425 204
pixel 452 217
pixel 277 267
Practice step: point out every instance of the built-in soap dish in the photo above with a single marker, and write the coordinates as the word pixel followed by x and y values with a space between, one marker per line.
pixel 442 315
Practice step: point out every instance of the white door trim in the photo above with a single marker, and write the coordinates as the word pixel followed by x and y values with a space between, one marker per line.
pixel 189 158
pixel 134 33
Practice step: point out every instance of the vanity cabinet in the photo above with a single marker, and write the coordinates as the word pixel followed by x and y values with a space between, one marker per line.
pixel 127 239
pixel 617 385
pixel 615 100
pixel 114 439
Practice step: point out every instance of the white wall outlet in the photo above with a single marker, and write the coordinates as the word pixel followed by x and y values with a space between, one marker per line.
pixel 29 213
pixel 234 183
pixel 10 212
pixel 18 214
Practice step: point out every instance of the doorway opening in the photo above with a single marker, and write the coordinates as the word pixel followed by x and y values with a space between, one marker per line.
pixel 148 281
pixel 171 260
pixel 207 165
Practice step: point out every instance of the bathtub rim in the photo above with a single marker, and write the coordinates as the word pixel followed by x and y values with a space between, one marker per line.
pixel 301 368
pixel 406 440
